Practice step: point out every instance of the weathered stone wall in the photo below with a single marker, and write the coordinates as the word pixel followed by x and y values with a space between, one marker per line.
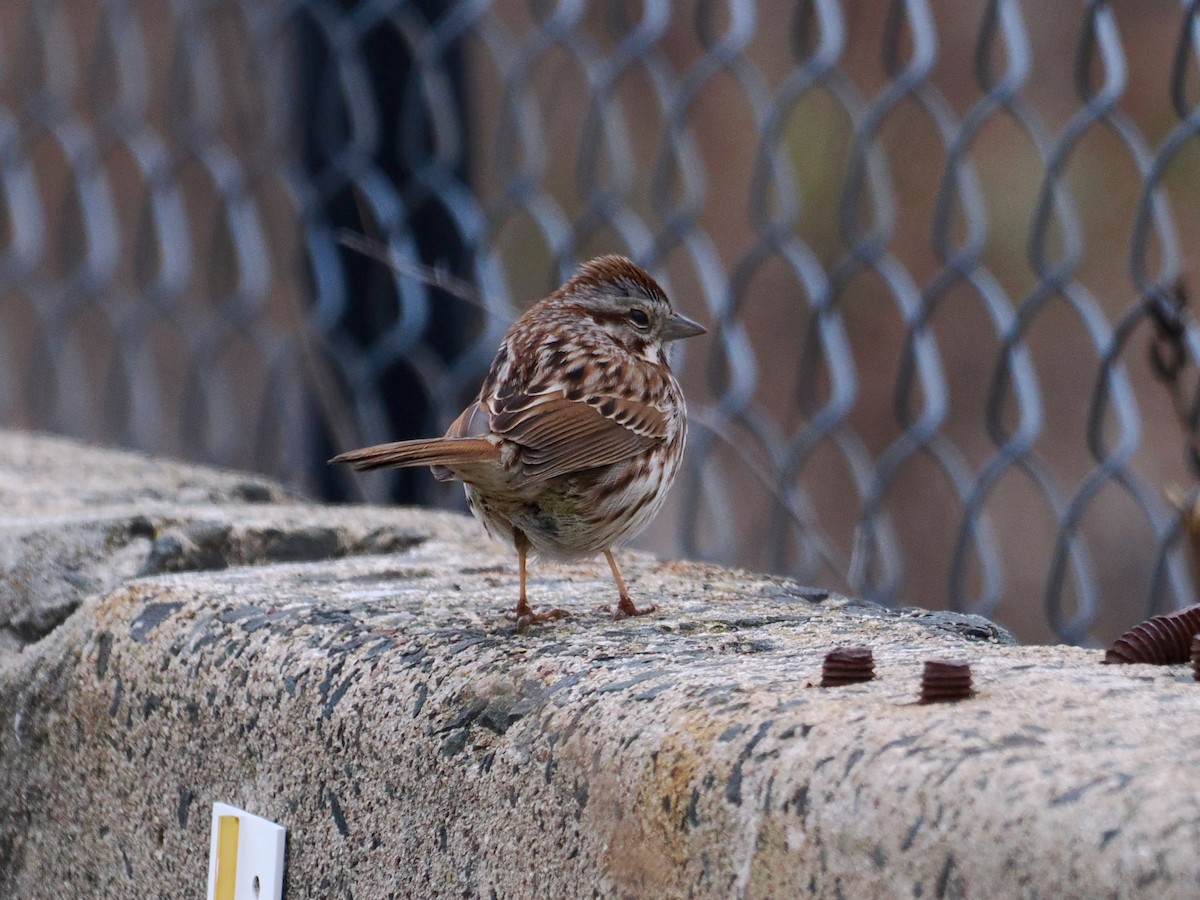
pixel 175 636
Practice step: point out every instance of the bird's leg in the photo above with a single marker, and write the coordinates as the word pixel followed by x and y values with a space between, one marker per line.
pixel 524 610
pixel 525 613
pixel 625 607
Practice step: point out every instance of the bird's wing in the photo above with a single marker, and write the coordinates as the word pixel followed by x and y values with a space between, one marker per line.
pixel 556 435
pixel 471 422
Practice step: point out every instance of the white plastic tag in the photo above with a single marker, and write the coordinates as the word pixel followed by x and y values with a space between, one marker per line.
pixel 245 860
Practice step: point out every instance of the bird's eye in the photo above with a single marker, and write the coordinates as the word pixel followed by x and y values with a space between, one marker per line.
pixel 639 317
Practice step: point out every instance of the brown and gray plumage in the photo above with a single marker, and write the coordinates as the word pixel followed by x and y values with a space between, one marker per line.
pixel 579 428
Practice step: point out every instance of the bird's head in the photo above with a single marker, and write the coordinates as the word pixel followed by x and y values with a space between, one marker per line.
pixel 625 301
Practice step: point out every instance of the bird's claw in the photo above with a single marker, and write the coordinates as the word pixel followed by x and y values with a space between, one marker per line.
pixel 625 609
pixel 526 617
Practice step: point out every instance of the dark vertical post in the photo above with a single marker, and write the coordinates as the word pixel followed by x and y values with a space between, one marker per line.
pixel 341 178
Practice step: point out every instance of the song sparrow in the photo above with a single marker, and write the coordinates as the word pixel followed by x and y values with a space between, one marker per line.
pixel 578 430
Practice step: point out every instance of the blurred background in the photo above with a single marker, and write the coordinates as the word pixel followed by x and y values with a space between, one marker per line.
pixel 938 247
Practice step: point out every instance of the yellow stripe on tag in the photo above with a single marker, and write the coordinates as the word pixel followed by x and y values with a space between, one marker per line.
pixel 227 854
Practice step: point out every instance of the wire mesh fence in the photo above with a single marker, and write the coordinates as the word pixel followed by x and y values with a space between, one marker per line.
pixel 939 248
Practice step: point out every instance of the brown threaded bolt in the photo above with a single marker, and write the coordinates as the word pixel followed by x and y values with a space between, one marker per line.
pixel 1160 640
pixel 847 665
pixel 945 681
pixel 1196 656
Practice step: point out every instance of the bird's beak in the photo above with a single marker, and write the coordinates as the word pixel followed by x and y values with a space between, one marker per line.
pixel 680 326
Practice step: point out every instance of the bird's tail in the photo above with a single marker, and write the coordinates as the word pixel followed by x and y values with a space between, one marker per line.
pixel 432 452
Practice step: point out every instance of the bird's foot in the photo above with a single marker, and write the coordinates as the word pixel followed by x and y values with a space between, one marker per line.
pixel 625 609
pixel 525 616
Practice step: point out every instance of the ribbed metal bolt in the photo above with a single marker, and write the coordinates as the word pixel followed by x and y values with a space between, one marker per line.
pixel 1160 640
pixel 945 681
pixel 847 665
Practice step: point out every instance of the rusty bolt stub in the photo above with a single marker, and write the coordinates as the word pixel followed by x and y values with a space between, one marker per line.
pixel 1160 640
pixel 847 665
pixel 945 681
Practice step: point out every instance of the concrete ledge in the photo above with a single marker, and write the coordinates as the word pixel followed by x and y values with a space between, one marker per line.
pixel 374 701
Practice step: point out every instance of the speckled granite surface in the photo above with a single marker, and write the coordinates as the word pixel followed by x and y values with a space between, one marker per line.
pixel 349 673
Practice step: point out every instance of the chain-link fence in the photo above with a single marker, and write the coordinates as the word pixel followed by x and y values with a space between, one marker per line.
pixel 939 248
